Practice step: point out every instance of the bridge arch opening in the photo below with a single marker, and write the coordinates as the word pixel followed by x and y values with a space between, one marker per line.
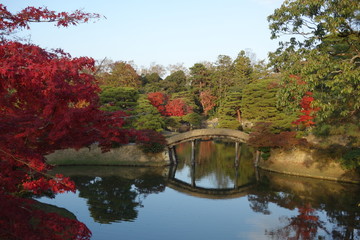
pixel 191 172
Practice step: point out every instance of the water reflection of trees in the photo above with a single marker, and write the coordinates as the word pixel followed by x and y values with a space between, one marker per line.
pixel 113 199
pixel 311 199
pixel 216 159
pixel 344 212
pixel 305 225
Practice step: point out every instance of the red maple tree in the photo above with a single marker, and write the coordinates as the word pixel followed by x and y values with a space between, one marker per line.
pixel 48 101
pixel 308 111
pixel 167 107
pixel 10 22
pixel 159 100
pixel 177 107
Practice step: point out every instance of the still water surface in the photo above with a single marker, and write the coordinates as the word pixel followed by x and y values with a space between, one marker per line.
pixel 207 197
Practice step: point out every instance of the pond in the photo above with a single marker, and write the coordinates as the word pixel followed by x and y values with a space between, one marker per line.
pixel 214 192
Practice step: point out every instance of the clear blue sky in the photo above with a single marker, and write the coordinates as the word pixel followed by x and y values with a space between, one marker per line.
pixel 161 31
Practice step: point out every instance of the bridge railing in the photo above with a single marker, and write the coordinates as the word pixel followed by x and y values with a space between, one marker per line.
pixel 210 133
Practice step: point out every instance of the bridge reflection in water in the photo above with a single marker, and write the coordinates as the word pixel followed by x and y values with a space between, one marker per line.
pixel 225 167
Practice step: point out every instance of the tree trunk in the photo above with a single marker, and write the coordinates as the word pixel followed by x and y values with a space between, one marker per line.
pixel 238 115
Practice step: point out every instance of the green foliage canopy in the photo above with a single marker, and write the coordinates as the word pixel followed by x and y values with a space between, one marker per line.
pixel 324 52
pixel 118 98
pixel 259 104
pixel 200 76
pixel 151 82
pixel 230 111
pixel 190 98
pixel 175 82
pixel 147 116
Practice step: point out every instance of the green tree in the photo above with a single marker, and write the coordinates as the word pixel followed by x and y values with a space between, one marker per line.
pixel 150 78
pixel 147 116
pixel 200 76
pixel 323 52
pixel 230 111
pixel 242 69
pixel 175 82
pixel 223 77
pixel 259 104
pixel 194 119
pixel 190 98
pixel 118 98
pixel 151 82
pixel 231 74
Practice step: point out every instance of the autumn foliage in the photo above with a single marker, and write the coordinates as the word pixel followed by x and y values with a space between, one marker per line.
pixel 159 100
pixel 151 141
pixel 48 101
pixel 39 96
pixel 263 137
pixel 10 22
pixel 19 219
pixel 177 107
pixel 307 111
pixel 297 79
pixel 167 107
pixel 207 101
pixel 305 225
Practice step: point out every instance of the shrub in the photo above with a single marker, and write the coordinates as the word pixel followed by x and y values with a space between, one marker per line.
pixel 265 152
pixel 263 137
pixel 172 122
pixel 194 119
pixel 351 159
pixel 118 98
pixel 322 130
pixel 151 141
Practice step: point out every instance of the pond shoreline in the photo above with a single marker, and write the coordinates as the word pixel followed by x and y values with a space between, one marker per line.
pixel 325 178
pixel 126 155
pixel 307 163
pixel 295 162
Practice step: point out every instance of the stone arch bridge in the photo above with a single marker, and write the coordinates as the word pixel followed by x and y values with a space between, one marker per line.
pixel 235 135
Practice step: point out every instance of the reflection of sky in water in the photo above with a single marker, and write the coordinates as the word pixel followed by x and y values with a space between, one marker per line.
pixel 214 163
pixel 177 216
pixel 72 202
pixel 171 214
pixel 209 181
pixel 184 174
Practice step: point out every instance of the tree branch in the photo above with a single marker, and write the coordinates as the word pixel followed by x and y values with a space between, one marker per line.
pixel 352 61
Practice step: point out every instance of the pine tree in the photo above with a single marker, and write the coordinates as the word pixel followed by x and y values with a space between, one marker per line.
pixel 230 111
pixel 190 98
pixel 118 98
pixel 259 104
pixel 147 116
